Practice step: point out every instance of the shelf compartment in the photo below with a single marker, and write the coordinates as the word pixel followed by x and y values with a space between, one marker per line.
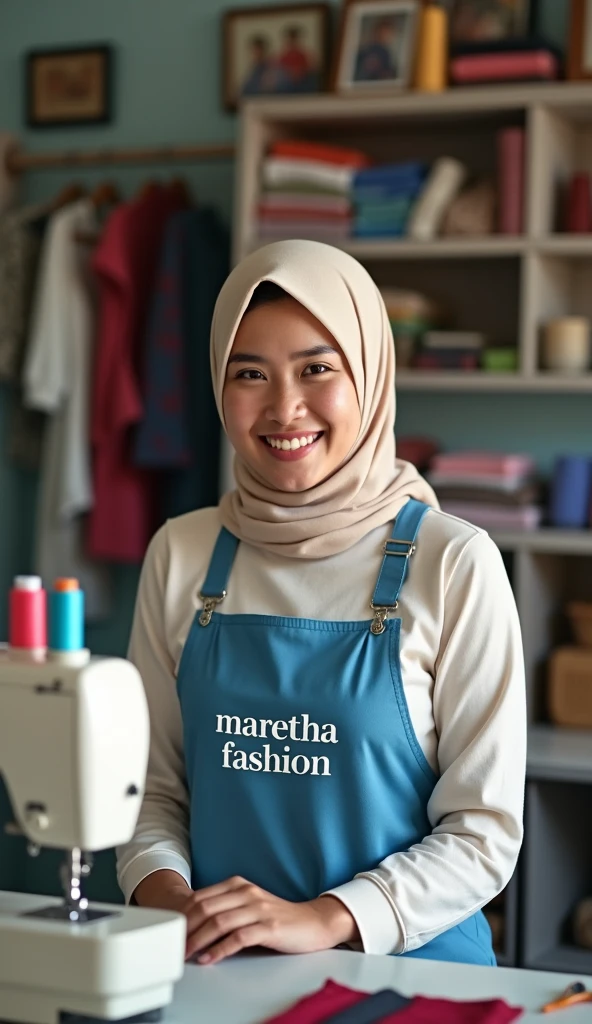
pixel 546 540
pixel 480 380
pixel 557 874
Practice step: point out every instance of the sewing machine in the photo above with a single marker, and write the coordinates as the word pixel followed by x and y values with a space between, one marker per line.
pixel 73 753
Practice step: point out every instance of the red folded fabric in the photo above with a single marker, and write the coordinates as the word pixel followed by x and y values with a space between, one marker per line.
pixel 447 1011
pixel 332 998
pixel 315 1008
pixel 303 150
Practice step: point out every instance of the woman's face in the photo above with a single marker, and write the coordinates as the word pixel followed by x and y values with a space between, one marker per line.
pixel 290 404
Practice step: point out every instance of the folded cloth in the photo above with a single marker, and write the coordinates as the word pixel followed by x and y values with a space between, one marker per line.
pixel 337 1004
pixel 490 463
pixel 377 1007
pixel 501 484
pixel 494 517
pixel 315 1008
pixel 411 173
pixel 392 209
pixel 288 212
pixel 336 231
pixel 318 151
pixel 448 1011
pixel 527 494
pixel 286 171
pixel 303 201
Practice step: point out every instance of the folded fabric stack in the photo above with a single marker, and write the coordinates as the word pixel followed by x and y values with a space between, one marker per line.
pixel 449 350
pixel 411 314
pixel 493 491
pixel 384 196
pixel 306 191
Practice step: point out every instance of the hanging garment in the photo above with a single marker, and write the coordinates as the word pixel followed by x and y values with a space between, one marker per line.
pixel 21 232
pixel 179 405
pixel 124 517
pixel 340 781
pixel 56 380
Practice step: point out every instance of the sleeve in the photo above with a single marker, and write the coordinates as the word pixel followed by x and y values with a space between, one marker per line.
pixel 477 803
pixel 161 838
pixel 46 377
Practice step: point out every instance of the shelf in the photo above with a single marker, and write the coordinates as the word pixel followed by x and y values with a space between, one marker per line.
pixel 572 99
pixel 549 541
pixel 575 246
pixel 480 380
pixel 564 958
pixel 559 755
pixel 484 247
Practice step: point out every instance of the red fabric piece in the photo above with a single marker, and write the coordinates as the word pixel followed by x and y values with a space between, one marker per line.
pixel 123 518
pixel 302 150
pixel 315 1008
pixel 447 1011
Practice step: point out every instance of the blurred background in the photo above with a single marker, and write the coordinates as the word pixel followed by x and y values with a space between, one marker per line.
pixel 147 146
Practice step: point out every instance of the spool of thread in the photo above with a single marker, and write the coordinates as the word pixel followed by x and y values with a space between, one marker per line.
pixel 27 614
pixel 566 344
pixel 66 616
pixel 431 69
pixel 571 487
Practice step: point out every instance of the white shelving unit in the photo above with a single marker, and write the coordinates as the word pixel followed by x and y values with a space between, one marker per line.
pixel 507 286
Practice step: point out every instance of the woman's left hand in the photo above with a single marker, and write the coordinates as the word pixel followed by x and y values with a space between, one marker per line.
pixel 233 915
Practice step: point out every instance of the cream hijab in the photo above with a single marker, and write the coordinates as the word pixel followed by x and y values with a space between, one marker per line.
pixel 370 486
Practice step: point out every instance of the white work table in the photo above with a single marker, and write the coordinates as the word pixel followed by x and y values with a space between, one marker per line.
pixel 252 987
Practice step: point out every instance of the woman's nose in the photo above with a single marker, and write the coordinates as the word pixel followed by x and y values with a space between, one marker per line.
pixel 285 405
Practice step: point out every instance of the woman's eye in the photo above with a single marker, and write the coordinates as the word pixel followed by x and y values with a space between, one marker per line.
pixel 316 368
pixel 249 375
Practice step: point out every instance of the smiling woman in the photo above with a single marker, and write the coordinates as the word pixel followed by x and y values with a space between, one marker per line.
pixel 333 667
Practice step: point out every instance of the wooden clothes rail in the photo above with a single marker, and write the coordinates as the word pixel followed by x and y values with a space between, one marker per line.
pixel 19 160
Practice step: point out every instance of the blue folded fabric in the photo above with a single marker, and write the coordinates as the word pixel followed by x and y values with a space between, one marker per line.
pixel 375 1008
pixel 411 172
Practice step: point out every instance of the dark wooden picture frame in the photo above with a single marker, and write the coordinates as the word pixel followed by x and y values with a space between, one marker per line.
pixel 576 65
pixel 80 78
pixel 278 80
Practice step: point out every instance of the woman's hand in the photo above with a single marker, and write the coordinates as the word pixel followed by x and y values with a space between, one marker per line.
pixel 233 915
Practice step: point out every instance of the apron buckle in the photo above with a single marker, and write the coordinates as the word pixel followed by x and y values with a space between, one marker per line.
pixel 209 605
pixel 380 614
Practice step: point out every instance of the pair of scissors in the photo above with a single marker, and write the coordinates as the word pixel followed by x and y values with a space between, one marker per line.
pixel 571 996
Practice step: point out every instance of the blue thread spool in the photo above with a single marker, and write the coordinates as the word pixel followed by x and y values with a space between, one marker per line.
pixel 66 616
pixel 570 491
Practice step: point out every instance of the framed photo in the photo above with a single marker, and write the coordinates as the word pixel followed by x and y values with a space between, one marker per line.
pixel 377 45
pixel 489 21
pixel 579 49
pixel 69 87
pixel 274 51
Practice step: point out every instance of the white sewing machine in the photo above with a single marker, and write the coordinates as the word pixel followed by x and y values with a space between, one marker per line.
pixel 73 754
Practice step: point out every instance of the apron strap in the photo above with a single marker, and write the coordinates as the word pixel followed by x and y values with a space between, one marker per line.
pixel 397 552
pixel 220 564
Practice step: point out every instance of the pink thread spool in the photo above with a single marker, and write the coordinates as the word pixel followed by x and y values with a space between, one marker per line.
pixel 27 614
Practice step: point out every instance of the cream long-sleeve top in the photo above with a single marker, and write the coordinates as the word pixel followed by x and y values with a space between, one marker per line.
pixel 463 677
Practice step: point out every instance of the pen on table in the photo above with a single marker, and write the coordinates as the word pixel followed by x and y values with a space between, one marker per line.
pixel 571 996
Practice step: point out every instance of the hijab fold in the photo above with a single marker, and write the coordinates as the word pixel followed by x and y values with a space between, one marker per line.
pixel 370 487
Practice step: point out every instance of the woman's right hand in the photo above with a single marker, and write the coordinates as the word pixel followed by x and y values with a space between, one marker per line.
pixel 163 890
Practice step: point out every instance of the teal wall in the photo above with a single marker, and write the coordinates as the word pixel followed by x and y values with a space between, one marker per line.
pixel 168 91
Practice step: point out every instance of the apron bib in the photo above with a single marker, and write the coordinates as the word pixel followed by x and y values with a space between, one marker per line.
pixel 302 764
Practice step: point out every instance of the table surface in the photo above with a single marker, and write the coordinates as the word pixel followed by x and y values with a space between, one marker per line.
pixel 251 987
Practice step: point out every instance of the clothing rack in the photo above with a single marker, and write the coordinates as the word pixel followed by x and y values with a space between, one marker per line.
pixel 19 160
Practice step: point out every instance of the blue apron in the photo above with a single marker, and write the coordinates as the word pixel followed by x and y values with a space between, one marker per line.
pixel 320 705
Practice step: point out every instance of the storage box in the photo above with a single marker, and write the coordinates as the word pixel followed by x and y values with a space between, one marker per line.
pixel 570 687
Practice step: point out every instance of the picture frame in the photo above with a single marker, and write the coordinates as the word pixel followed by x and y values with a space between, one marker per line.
pixel 376 48
pixel 579 47
pixel 280 50
pixel 69 86
pixel 483 22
